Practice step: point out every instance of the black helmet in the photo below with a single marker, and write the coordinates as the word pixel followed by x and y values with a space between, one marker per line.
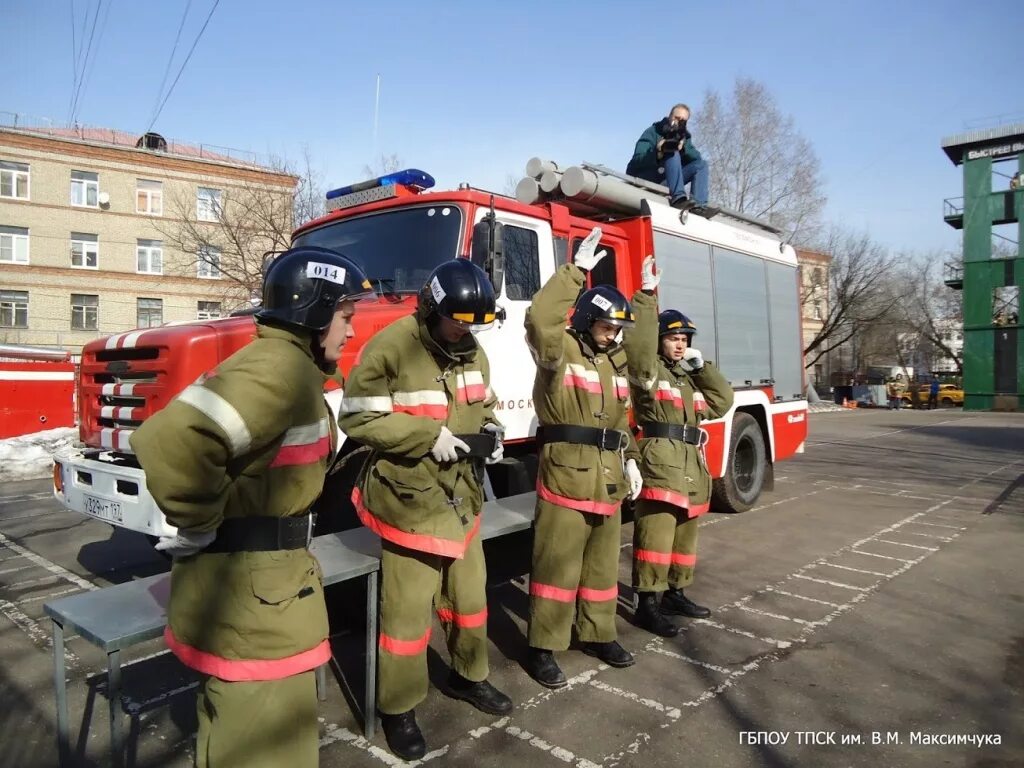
pixel 674 321
pixel 602 303
pixel 461 292
pixel 302 287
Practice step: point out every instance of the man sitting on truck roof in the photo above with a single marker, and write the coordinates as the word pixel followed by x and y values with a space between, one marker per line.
pixel 665 154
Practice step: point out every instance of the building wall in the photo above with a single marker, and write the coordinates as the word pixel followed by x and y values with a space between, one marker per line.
pixel 50 278
pixel 814 294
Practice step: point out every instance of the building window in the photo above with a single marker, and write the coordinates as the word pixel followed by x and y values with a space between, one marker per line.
pixel 208 310
pixel 13 245
pixel 150 312
pixel 817 310
pixel 149 197
pixel 84 309
pixel 149 257
pixel 208 204
pixel 14 178
pixel 85 188
pixel 208 262
pixel 85 250
pixel 14 309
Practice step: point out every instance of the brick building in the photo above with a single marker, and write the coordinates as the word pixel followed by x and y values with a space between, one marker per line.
pixel 85 216
pixel 814 297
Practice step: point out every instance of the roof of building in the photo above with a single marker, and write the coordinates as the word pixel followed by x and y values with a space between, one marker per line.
pixel 988 140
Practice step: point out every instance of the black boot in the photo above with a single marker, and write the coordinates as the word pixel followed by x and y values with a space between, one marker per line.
pixel 482 695
pixel 403 735
pixel 612 654
pixel 542 667
pixel 649 617
pixel 675 603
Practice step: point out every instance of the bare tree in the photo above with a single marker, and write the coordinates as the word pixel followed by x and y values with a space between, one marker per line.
pixel 384 165
pixel 928 311
pixel 230 234
pixel 760 164
pixel 511 182
pixel 860 292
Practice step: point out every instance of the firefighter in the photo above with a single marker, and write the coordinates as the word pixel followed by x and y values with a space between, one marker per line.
pixel 235 461
pixel 420 396
pixel 588 464
pixel 673 388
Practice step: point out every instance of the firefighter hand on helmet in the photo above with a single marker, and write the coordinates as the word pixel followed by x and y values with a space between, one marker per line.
pixel 636 481
pixel 649 279
pixel 444 449
pixel 585 257
pixel 693 360
pixel 499 442
pixel 185 542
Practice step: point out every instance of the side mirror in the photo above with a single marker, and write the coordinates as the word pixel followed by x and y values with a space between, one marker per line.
pixel 488 249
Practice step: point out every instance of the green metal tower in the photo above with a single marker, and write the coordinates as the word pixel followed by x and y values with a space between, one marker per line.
pixel 993 340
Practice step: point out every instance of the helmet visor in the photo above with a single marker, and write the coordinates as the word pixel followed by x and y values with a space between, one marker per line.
pixel 472 322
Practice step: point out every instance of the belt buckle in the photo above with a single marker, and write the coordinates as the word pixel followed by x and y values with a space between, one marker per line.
pixel 309 528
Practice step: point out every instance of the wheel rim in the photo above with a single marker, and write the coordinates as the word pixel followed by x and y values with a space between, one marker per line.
pixel 745 467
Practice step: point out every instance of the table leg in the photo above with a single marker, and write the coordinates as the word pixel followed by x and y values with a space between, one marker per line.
pixel 114 703
pixel 60 687
pixel 370 706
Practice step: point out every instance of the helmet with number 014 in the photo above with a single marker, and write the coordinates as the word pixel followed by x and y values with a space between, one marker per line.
pixel 603 302
pixel 303 286
pixel 673 321
pixel 460 291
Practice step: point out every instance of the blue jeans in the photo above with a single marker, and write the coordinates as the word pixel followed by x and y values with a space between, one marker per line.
pixel 677 176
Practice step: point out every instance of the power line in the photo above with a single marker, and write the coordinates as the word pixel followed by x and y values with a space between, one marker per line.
pixel 183 65
pixel 170 60
pixel 99 43
pixel 88 51
pixel 74 56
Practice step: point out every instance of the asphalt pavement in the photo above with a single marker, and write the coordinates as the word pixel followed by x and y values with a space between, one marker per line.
pixel 870 611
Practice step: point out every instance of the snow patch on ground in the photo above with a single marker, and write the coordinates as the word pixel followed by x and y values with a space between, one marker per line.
pixel 31 456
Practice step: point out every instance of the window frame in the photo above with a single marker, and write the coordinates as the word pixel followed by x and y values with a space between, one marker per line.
pixel 15 174
pixel 201 263
pixel 153 246
pixel 16 237
pixel 14 305
pixel 86 184
pixel 85 307
pixel 151 194
pixel 215 204
pixel 148 310
pixel 202 314
pixel 95 243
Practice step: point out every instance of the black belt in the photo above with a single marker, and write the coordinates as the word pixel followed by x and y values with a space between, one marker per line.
pixel 263 534
pixel 605 439
pixel 481 445
pixel 687 434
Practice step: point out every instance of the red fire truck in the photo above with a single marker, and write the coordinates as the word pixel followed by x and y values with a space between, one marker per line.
pixel 732 275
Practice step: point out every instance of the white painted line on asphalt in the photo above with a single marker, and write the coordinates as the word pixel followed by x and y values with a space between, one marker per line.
pixel 13 570
pixel 801 597
pixel 940 525
pixel 562 754
pixel 32 582
pixel 742 632
pixel 847 568
pixel 744 607
pixel 476 733
pixel 689 660
pixel 883 557
pixel 36 634
pixel 48 565
pixel 672 713
pixel 904 544
pixel 334 734
pixel 830 583
pixel 930 535
pixel 58 593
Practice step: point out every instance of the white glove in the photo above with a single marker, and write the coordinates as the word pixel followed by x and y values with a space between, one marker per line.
pixel 648 278
pixel 444 448
pixel 693 360
pixel 499 442
pixel 586 259
pixel 636 480
pixel 185 543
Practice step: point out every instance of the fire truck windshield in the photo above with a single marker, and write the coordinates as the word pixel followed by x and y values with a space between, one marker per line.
pixel 398 249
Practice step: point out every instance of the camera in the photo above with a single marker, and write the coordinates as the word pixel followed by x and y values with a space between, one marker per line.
pixel 673 132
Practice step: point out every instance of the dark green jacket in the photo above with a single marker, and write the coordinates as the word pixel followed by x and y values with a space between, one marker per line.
pixel 404 388
pixel 673 471
pixel 645 160
pixel 578 385
pixel 250 438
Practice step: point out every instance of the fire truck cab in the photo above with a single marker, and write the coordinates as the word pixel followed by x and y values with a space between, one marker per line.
pixel 730 274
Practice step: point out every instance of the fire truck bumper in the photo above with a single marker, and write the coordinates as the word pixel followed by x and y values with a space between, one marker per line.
pixel 108 492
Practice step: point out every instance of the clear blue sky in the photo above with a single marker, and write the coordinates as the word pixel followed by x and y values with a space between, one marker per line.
pixel 472 90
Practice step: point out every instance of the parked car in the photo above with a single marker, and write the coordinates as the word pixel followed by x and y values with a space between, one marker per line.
pixel 949 395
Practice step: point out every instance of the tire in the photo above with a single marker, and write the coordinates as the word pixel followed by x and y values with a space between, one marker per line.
pixel 947 402
pixel 334 509
pixel 738 489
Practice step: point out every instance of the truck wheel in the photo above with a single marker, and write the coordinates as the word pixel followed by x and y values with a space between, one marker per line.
pixel 744 477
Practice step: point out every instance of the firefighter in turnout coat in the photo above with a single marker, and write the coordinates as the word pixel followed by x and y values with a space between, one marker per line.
pixel 588 464
pixel 420 396
pixel 235 461
pixel 673 389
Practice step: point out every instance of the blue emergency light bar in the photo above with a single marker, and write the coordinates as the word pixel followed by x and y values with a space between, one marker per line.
pixel 410 177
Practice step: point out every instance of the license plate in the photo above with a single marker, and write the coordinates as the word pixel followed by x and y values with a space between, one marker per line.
pixel 103 509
